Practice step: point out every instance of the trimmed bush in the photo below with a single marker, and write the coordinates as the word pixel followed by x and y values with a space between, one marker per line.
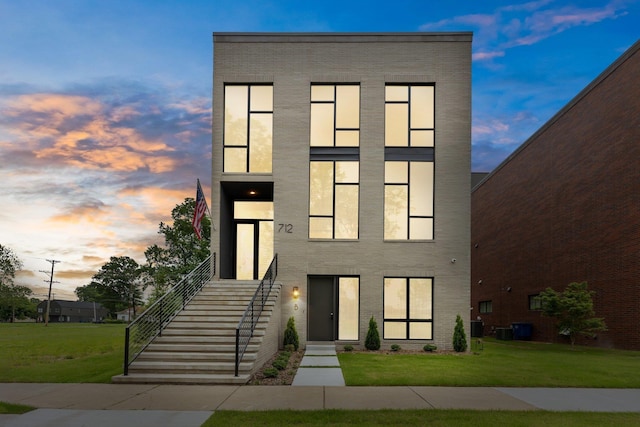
pixel 395 347
pixel 348 347
pixel 459 337
pixel 430 347
pixel 291 335
pixel 372 342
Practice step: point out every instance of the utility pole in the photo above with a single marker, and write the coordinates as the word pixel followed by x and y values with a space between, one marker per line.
pixel 51 282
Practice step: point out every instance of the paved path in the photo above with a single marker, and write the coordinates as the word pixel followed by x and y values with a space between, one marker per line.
pixel 123 405
pixel 319 367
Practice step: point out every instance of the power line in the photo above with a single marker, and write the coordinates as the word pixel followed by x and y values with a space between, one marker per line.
pixel 51 282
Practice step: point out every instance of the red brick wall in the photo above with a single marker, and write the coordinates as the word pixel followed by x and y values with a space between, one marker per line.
pixel 565 208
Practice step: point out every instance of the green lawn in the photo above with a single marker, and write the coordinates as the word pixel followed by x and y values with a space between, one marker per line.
pixel 93 353
pixel 60 353
pixel 500 363
pixel 431 417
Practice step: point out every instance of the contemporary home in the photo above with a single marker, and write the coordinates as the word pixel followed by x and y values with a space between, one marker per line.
pixel 348 156
pixel 340 193
pixel 564 208
pixel 72 311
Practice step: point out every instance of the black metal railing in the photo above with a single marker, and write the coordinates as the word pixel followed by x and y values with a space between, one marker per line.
pixel 140 332
pixel 251 315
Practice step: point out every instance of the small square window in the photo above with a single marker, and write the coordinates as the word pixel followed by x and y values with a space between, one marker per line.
pixel 535 302
pixel 485 307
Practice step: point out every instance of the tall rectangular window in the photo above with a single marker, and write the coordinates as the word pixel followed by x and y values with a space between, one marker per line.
pixel 408 308
pixel 409 162
pixel 334 162
pixel 248 128
pixel 348 308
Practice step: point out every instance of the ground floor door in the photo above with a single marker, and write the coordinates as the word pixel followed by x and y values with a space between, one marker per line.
pixel 333 308
pixel 321 308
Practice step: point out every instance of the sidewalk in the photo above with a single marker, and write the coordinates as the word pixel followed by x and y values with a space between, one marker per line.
pixel 124 405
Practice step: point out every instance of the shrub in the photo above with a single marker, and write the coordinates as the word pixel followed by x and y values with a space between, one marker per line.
pixel 395 347
pixel 289 348
pixel 280 364
pixel 459 337
pixel 270 372
pixel 372 342
pixel 291 335
pixel 430 347
pixel 348 347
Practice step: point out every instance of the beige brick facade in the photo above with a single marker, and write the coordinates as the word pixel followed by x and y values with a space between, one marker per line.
pixel 292 62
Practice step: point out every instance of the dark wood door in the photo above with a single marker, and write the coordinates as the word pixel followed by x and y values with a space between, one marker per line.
pixel 321 309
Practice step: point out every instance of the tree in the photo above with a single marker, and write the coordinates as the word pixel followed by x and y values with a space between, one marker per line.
pixel 573 310
pixel 14 301
pixel 116 285
pixel 372 341
pixel 459 336
pixel 183 251
pixel 9 264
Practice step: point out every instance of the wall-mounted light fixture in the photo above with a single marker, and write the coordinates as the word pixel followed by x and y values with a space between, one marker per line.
pixel 296 292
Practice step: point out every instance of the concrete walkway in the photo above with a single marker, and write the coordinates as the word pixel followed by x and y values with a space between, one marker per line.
pixel 123 405
pixel 319 367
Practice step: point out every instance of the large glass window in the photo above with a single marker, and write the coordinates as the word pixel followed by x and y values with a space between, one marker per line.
pixel 333 200
pixel 408 308
pixel 248 128
pixel 348 308
pixel 335 116
pixel 334 161
pixel 409 162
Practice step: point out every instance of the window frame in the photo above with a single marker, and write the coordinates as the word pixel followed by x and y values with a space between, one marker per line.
pixel 407 320
pixel 485 307
pixel 410 154
pixel 249 113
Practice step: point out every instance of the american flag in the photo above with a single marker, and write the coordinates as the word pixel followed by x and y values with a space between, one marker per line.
pixel 198 214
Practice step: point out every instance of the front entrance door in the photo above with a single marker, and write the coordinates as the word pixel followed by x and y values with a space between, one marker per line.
pixel 246 250
pixel 321 309
pixel 253 239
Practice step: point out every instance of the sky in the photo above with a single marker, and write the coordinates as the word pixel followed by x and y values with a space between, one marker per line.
pixel 105 105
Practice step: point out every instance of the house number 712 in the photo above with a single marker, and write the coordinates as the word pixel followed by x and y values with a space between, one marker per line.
pixel 285 228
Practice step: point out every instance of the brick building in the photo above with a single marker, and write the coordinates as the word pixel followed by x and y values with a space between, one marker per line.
pixel 348 156
pixel 565 207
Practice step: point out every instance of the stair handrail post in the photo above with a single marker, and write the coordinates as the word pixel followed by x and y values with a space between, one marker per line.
pixel 126 352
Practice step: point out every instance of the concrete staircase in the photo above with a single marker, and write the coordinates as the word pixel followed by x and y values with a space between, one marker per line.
pixel 198 346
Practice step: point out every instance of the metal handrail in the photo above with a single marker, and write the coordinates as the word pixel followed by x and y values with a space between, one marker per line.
pixel 149 325
pixel 249 320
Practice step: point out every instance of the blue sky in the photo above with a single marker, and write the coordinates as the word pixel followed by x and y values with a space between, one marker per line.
pixel 105 105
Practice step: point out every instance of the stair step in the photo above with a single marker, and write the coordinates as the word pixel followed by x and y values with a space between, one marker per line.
pixel 171 356
pixel 224 379
pixel 204 350
pixel 187 367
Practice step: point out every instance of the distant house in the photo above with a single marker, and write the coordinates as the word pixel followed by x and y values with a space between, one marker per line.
pixel 72 311
pixel 128 314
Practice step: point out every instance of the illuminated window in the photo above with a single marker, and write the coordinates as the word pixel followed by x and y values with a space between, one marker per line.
pixel 248 128
pixel 408 308
pixel 334 174
pixel 409 162
pixel 348 308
